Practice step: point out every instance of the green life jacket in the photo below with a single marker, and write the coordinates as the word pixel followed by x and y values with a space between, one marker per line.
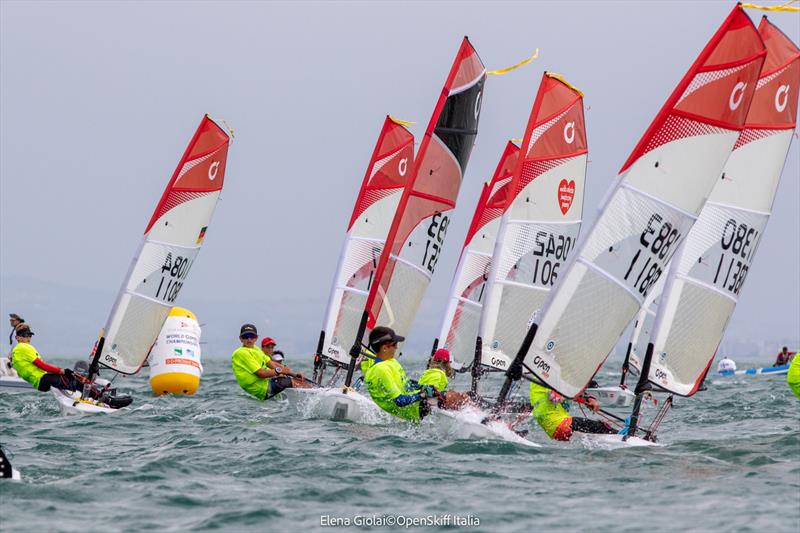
pixel 386 380
pixel 23 356
pixel 245 363
pixel 435 377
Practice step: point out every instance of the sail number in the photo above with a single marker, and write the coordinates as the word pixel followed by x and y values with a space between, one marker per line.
pixel 550 251
pixel 738 242
pixel 433 246
pixel 658 242
pixel 173 272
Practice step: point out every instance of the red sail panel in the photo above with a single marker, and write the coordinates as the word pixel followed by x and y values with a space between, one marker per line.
pixel 556 131
pixel 382 178
pixel 775 103
pixel 495 194
pixel 438 169
pixel 201 170
pixel 715 92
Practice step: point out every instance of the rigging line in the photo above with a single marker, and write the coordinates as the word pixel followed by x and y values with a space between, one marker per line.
pixel 783 7
pixel 522 63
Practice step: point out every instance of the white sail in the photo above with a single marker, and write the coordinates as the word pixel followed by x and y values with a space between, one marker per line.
pixel 660 192
pixel 708 273
pixel 541 221
pixel 460 324
pixel 388 173
pixel 643 325
pixel 169 247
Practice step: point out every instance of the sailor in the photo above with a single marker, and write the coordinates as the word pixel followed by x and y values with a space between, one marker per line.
pixel 437 374
pixel 33 369
pixel 726 365
pixel 793 376
pixel 15 320
pixel 386 380
pixel 275 359
pixel 551 413
pixel 784 356
pixel 6 366
pixel 251 367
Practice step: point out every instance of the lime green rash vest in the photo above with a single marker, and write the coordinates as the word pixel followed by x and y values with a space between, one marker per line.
pixel 547 414
pixel 386 380
pixel 246 362
pixel 23 356
pixel 792 377
pixel 435 377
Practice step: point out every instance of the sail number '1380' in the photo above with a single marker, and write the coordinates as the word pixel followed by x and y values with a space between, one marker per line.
pixel 173 272
pixel 738 242
pixel 658 241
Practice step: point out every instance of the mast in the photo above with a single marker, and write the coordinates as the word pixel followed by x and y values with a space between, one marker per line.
pixel 645 217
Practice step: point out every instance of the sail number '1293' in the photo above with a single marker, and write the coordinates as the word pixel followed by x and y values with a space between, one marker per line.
pixel 173 272
pixel 433 246
pixel 658 241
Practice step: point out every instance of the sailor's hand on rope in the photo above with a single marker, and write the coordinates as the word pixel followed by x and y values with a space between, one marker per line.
pixel 594 405
pixel 555 397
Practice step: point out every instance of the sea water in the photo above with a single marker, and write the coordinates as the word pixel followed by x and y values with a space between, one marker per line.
pixel 220 460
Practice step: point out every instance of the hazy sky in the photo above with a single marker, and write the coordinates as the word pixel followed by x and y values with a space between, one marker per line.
pixel 99 99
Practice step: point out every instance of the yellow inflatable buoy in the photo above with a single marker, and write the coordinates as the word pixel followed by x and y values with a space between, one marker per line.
pixel 175 358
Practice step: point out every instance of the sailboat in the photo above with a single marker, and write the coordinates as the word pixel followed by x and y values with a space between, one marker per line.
pixel 540 223
pixel 395 268
pixel 646 215
pixel 707 275
pixel 160 267
pixel 460 323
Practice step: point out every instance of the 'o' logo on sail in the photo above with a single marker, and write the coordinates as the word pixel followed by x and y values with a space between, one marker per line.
pixel 780 103
pixel 402 166
pixel 549 346
pixel 737 94
pixel 569 132
pixel 478 105
pixel 212 170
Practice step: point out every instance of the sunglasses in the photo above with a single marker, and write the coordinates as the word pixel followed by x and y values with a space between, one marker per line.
pixel 249 336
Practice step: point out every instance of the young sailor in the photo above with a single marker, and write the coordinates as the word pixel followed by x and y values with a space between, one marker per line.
pixel 437 374
pixel 784 356
pixel 549 409
pixel 33 369
pixel 726 365
pixel 252 368
pixel 387 382
pixel 275 359
pixel 793 377
pixel 15 320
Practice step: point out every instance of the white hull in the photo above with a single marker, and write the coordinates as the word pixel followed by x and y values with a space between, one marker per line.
pixel 466 424
pixel 334 404
pixel 614 441
pixel 71 404
pixel 14 383
pixel 612 396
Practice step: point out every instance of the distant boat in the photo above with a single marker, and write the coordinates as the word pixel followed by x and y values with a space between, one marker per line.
pixel 764 370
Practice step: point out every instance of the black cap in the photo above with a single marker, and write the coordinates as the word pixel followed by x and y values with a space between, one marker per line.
pixel 23 330
pixel 248 328
pixel 381 335
pixel 15 316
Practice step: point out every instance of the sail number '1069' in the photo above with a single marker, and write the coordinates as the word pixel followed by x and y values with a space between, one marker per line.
pixel 658 242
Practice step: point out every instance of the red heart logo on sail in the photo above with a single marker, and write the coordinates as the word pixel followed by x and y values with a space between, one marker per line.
pixel 566 193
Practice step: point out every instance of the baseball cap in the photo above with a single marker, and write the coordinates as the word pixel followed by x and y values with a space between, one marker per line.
pixel 267 340
pixel 248 328
pixel 442 354
pixel 277 355
pixel 381 335
pixel 24 331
